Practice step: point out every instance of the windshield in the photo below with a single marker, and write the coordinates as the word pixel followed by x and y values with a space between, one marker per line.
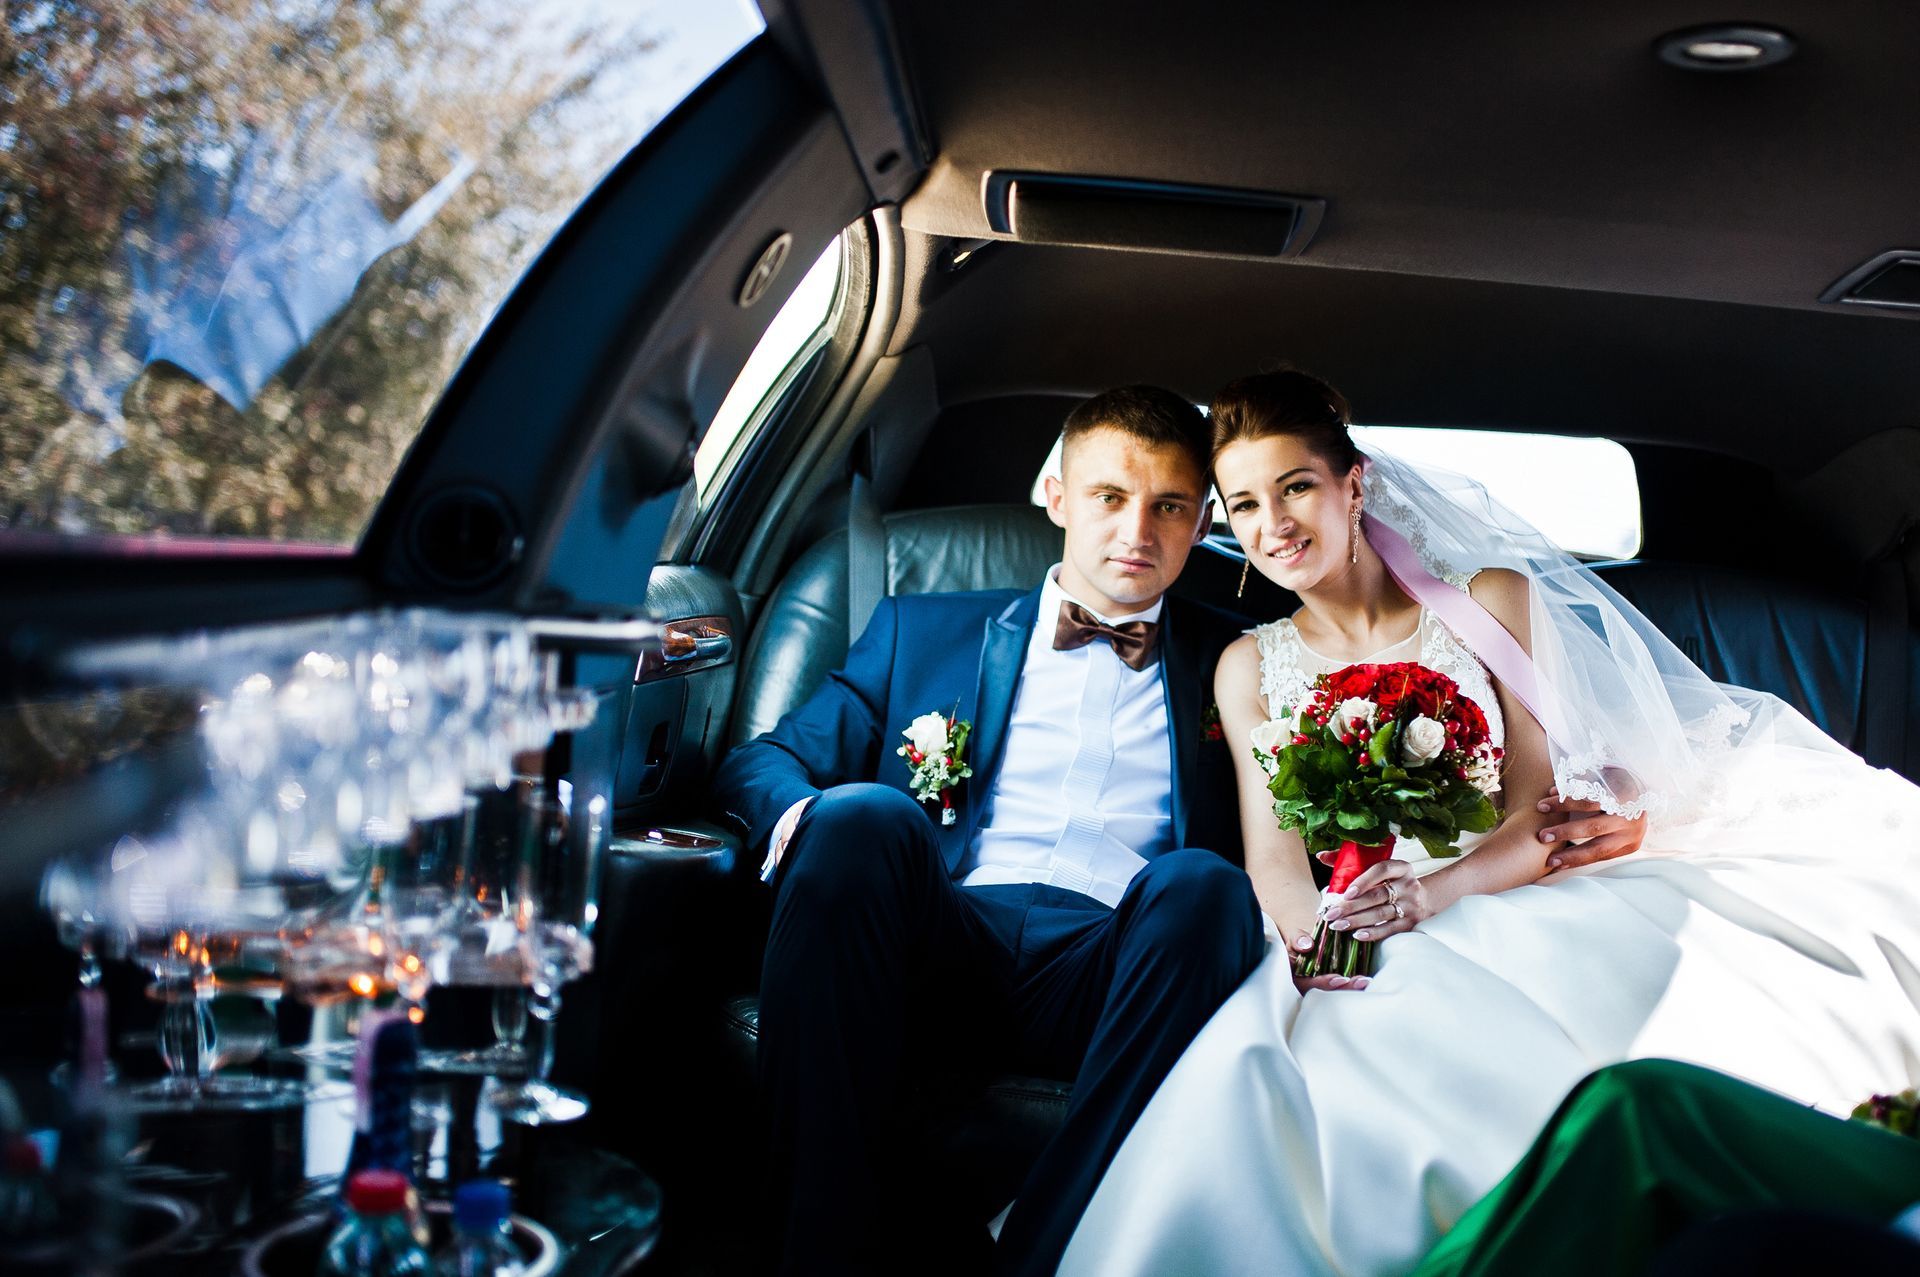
pixel 245 243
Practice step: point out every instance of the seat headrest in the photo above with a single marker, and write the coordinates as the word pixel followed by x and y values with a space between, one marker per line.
pixel 969 547
pixel 802 632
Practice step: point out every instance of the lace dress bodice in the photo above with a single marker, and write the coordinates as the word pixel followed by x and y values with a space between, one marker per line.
pixel 1288 668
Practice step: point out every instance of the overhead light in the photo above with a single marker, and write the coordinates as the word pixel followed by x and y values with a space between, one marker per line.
pixel 1725 47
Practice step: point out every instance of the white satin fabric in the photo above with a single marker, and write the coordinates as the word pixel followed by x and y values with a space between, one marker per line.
pixel 1345 1132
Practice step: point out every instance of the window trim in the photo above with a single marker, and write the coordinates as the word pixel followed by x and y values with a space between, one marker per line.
pixel 721 530
pixel 791 373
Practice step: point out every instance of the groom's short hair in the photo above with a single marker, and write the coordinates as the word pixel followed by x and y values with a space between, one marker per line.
pixel 1150 414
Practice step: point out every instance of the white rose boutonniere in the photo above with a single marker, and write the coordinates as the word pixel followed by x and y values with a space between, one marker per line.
pixel 935 751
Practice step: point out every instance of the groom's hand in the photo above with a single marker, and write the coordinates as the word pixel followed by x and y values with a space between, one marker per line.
pixel 781 836
pixel 1586 835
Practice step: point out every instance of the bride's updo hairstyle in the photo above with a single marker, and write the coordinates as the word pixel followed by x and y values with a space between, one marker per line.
pixel 1287 402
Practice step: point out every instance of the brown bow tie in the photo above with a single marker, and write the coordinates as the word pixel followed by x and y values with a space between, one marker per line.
pixel 1132 641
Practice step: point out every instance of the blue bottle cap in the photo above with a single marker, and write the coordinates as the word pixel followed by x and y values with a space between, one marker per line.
pixel 481 1204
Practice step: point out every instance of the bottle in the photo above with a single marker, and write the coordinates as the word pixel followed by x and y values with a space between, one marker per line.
pixel 26 1197
pixel 377 1239
pixel 384 1068
pixel 482 1244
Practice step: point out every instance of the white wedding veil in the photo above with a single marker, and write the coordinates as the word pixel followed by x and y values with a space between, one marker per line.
pixel 1631 723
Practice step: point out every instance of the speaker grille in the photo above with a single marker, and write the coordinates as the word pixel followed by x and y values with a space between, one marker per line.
pixel 465 537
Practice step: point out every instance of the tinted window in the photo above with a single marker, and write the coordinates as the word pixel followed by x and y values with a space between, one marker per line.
pixel 243 247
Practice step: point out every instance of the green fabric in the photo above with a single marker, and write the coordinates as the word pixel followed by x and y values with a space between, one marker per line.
pixel 1642 1150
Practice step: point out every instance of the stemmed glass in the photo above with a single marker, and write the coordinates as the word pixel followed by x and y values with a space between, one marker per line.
pixel 192 929
pixel 551 946
pixel 71 893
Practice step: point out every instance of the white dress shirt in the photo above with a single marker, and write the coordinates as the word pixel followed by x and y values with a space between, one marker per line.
pixel 1086 783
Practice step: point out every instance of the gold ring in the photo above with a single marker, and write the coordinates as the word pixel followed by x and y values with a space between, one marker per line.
pixel 1399 911
pixel 1393 894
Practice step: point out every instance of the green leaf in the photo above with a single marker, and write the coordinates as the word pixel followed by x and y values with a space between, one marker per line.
pixel 1472 810
pixel 1377 747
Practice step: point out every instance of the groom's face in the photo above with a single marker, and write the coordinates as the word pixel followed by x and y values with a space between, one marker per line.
pixel 1132 511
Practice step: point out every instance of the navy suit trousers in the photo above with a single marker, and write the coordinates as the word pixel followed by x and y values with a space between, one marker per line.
pixel 877 955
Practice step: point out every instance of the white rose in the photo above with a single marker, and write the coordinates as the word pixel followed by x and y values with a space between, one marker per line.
pixel 928 734
pixel 1275 731
pixel 1483 770
pixel 1354 713
pixel 1422 741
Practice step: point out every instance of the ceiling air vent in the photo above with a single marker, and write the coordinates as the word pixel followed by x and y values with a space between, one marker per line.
pixel 1890 280
pixel 464 537
pixel 1156 217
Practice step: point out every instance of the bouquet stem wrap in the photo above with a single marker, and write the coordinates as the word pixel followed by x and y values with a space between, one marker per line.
pixel 1337 952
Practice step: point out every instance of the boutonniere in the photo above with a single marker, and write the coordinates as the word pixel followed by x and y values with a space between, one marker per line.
pixel 1210 728
pixel 935 750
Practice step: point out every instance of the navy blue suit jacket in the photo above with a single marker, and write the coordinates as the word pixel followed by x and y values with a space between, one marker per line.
pixel 935 652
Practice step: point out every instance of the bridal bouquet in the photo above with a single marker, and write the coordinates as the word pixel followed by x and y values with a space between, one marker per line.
pixel 1377 752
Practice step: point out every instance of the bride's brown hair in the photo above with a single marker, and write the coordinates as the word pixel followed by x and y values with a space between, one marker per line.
pixel 1286 402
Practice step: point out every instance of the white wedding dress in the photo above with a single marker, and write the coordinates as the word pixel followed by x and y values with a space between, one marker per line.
pixel 1345 1132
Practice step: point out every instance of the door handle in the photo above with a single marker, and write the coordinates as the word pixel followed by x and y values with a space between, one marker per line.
pixel 690 643
pixel 680 644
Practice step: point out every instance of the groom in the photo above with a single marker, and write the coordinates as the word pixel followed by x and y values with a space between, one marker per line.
pixel 1066 921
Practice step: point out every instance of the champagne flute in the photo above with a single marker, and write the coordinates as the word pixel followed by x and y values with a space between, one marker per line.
pixel 551 952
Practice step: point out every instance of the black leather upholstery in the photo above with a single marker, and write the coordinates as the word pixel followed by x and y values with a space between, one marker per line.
pixel 975 1137
pixel 1806 646
pixel 802 632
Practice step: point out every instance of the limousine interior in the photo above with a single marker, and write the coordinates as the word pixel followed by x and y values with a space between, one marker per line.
pixel 808 340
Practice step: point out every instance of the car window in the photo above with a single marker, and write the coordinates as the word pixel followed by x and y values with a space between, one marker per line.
pixel 243 248
pixel 1582 493
pixel 804 325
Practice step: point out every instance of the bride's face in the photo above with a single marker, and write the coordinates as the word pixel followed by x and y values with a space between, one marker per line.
pixel 1291 512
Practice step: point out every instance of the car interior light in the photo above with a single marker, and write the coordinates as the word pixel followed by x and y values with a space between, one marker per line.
pixel 1724 51
pixel 1725 47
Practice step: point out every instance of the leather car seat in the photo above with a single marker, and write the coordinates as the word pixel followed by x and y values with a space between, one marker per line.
pixel 1811 648
pixel 801 634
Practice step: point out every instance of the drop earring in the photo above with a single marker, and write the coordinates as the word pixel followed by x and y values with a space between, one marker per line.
pixel 1353 541
pixel 1245 564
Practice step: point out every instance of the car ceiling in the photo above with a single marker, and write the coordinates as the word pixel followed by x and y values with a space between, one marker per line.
pixel 1531 221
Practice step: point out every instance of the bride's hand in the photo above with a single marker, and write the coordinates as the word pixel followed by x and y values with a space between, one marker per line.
pixel 1385 900
pixel 1306 983
pixel 1301 944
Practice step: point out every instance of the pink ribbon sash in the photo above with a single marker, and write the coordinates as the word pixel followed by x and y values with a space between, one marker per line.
pixel 1488 638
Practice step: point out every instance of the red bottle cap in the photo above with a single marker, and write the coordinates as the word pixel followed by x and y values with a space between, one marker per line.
pixel 377 1192
pixel 23 1157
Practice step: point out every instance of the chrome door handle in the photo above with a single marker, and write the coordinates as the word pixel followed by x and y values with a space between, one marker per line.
pixel 690 643
pixel 678 645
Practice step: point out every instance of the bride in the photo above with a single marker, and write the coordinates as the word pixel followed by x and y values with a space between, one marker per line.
pixel 1769 928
